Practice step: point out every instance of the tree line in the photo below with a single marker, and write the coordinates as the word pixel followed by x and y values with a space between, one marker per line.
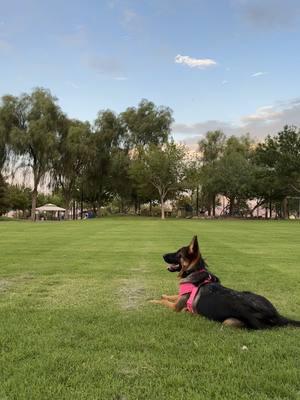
pixel 130 159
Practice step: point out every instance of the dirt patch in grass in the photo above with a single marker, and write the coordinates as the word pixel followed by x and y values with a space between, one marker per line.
pixel 9 283
pixel 4 285
pixel 131 294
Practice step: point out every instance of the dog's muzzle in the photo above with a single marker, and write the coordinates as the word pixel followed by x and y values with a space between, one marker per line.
pixel 174 268
pixel 172 260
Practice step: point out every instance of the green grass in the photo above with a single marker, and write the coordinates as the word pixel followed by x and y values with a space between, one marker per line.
pixel 75 322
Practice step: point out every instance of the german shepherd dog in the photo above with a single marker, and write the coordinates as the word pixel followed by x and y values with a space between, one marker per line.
pixel 202 293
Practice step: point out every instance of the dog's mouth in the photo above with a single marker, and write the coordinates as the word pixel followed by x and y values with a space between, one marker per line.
pixel 174 267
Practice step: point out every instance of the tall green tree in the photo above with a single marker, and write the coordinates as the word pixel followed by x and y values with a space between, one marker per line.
pixel 73 155
pixel 4 139
pixel 4 202
pixel 108 134
pixel 278 160
pixel 19 198
pixel 10 116
pixel 211 148
pixel 288 163
pixel 120 182
pixel 33 123
pixel 147 124
pixel 162 167
pixel 193 172
pixel 235 173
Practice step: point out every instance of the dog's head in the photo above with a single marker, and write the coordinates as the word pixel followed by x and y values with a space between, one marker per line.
pixel 185 259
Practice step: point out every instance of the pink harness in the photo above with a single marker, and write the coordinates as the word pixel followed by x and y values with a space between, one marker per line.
pixel 187 287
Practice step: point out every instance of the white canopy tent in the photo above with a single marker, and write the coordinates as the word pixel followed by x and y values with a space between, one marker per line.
pixel 50 208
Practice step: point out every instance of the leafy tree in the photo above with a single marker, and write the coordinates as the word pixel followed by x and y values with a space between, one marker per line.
pixel 107 136
pixel 211 148
pixel 278 159
pixel 9 118
pixel 32 123
pixel 7 103
pixel 267 187
pixel 162 167
pixel 4 203
pixel 147 124
pixel 234 172
pixel 73 153
pixel 19 198
pixel 193 173
pixel 120 183
pixel 53 198
pixel 288 163
pixel 2 151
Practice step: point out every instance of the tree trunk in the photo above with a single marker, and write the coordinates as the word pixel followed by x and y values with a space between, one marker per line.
pixel 231 204
pixel 33 203
pixel 67 207
pixel 94 209
pixel 258 204
pixel 162 207
pixel 270 207
pixel 74 210
pixel 197 201
pixel 285 208
pixel 150 208
pixel 214 205
pixel 135 206
pixel 67 212
pixel 81 204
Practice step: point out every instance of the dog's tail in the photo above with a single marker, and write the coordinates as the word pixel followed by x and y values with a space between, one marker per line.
pixel 289 322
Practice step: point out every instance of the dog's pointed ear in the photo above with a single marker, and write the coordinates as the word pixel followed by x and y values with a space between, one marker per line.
pixel 194 246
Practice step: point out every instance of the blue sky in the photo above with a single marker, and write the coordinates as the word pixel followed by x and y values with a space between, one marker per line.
pixel 238 66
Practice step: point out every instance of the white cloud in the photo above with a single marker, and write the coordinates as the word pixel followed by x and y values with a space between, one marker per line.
pixel 224 82
pixel 260 73
pixel 266 120
pixel 201 63
pixel 266 113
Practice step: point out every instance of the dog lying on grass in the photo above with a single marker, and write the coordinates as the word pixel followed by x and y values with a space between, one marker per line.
pixel 201 292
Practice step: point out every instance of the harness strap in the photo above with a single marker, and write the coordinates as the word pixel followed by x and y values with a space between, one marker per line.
pixel 188 287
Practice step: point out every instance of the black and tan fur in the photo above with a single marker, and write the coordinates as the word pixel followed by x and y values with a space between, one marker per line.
pixel 216 302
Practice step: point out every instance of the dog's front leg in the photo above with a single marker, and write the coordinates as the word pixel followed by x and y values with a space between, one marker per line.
pixel 164 302
pixel 179 305
pixel 170 298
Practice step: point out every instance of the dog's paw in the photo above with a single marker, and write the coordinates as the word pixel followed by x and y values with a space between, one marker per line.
pixel 155 301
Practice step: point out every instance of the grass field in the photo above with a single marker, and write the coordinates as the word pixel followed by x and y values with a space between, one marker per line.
pixel 75 322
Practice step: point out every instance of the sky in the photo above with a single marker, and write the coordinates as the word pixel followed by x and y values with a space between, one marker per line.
pixel 219 64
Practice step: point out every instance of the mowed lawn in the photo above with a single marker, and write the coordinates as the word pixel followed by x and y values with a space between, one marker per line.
pixel 75 321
